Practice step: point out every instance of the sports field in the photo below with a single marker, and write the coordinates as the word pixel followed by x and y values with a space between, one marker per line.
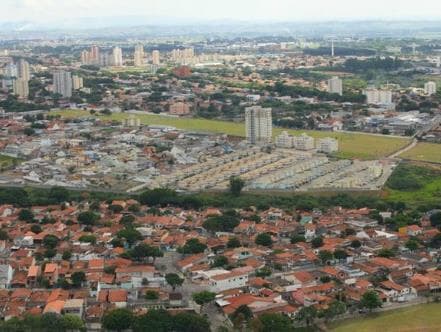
pixel 430 152
pixel 352 145
pixel 424 317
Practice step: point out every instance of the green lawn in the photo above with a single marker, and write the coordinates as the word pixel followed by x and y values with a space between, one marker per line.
pixel 430 152
pixel 352 145
pixel 6 162
pixel 425 317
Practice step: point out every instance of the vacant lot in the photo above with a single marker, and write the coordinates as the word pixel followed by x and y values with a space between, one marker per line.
pixel 425 317
pixel 430 152
pixel 352 145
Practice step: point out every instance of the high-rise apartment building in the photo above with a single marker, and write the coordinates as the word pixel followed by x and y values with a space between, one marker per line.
pixel 139 55
pixel 378 96
pixel 77 82
pixel 21 88
pixel 156 58
pixel 117 58
pixel 23 70
pixel 258 125
pixel 430 88
pixel 63 83
pixel 335 85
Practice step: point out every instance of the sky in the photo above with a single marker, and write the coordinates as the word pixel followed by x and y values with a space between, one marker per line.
pixel 244 10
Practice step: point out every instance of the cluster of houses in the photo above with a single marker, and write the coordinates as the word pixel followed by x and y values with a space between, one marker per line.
pixel 279 278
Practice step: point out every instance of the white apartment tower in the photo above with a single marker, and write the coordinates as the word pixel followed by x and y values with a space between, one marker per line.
pixel 139 55
pixel 155 58
pixel 23 70
pixel 77 82
pixel 258 125
pixel 335 85
pixel 327 145
pixel 378 96
pixel 117 58
pixel 63 83
pixel 21 88
pixel 430 88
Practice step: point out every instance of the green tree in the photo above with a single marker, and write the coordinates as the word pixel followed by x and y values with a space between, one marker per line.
pixel 78 278
pixel 335 309
pixel 296 238
pixel 193 246
pixel 58 194
pixel 412 245
pixel 36 229
pixel 236 185
pixel 275 322
pixel 130 234
pixel 307 315
pixel 203 297
pixel 88 218
pixel 355 244
pixel 154 320
pixel 26 215
pixel 233 242
pixel 317 242
pixel 173 280
pixel 371 300
pixel 50 241
pixel 118 319
pixel 264 239
pixel 72 323
pixel 151 295
pixel 220 261
pixel 67 255
pixel 187 322
pixel 3 235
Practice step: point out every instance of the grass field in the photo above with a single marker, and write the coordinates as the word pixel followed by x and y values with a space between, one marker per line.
pixel 430 152
pixel 6 162
pixel 425 317
pixel 352 145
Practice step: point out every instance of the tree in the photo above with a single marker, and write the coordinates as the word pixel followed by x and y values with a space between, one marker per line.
pixel 154 320
pixel 243 310
pixel 118 319
pixel 173 280
pixel 50 241
pixel 224 223
pixel 325 256
pixel 187 322
pixel 275 322
pixel 88 238
pixel 3 235
pixel 78 278
pixel 203 297
pixel 355 244
pixel 130 234
pixel 67 255
pixel 387 253
pixel 263 272
pixel 193 246
pixel 58 194
pixel 233 242
pixel 236 185
pixel 88 218
pixel 435 242
pixel 370 300
pixel 28 131
pixel 435 219
pixel 335 309
pixel 412 245
pixel 72 322
pixel 220 261
pixel 151 295
pixel 307 315
pixel 158 196
pixel 340 254
pixel 317 242
pixel 26 215
pixel 36 229
pixel 296 238
pixel 264 239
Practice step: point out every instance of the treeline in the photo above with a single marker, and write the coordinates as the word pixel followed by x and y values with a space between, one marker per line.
pixel 296 91
pixel 11 104
pixel 340 51
pixel 361 66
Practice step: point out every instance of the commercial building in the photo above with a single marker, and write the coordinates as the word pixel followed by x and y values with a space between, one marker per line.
pixel 430 88
pixel 258 125
pixel 63 83
pixel 335 85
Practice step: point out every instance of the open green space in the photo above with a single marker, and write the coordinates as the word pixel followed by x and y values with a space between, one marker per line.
pixel 352 145
pixel 425 317
pixel 414 185
pixel 6 162
pixel 430 152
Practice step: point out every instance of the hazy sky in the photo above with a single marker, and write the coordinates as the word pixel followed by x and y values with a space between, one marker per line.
pixel 41 10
